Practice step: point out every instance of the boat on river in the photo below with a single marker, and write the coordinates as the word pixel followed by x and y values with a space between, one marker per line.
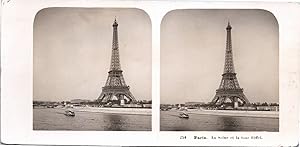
pixel 183 115
pixel 69 113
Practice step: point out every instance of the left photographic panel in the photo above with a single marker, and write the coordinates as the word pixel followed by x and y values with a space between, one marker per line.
pixel 92 69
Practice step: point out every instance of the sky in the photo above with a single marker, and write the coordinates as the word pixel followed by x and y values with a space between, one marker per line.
pixel 193 54
pixel 72 51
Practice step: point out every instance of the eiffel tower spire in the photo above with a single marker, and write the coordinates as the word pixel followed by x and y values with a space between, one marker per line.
pixel 115 57
pixel 229 87
pixel 115 86
pixel 228 67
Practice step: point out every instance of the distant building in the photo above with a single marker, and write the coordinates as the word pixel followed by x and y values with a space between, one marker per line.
pixel 147 105
pixel 193 104
pixel 78 101
pixel 165 107
pixel 267 108
pixel 132 105
pixel 179 105
pixel 247 108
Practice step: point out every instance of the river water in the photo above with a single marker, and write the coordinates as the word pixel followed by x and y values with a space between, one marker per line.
pixel 54 119
pixel 203 122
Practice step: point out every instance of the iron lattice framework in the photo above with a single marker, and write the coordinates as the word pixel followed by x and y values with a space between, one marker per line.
pixel 115 86
pixel 229 87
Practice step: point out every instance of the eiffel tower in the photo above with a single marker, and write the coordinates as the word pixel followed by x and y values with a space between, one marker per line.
pixel 115 87
pixel 229 87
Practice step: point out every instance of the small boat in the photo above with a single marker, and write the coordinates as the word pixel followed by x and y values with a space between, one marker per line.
pixel 183 115
pixel 69 113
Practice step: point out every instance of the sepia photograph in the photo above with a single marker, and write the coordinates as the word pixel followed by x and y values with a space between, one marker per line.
pixel 219 70
pixel 92 69
pixel 166 73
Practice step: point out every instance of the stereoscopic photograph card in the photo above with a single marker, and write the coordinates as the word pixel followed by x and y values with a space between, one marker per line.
pixel 158 73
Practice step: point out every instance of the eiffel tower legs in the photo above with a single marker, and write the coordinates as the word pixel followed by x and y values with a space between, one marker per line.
pixel 122 95
pixel 236 99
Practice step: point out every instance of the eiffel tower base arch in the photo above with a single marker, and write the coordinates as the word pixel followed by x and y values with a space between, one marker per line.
pixel 121 93
pixel 237 98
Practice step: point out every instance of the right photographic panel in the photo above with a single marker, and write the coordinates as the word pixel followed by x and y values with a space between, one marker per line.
pixel 219 70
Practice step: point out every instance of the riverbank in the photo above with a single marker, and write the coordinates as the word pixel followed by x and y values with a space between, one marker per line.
pixel 132 111
pixel 266 114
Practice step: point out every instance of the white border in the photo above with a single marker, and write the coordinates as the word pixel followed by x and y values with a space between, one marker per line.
pixel 16 85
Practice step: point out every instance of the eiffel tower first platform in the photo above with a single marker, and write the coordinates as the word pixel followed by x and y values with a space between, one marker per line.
pixel 229 87
pixel 115 87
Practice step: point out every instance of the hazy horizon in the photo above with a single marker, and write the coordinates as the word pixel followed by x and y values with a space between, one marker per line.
pixel 72 52
pixel 193 54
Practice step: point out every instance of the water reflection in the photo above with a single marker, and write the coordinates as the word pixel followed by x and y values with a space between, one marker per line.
pixel 229 123
pixel 182 125
pixel 115 122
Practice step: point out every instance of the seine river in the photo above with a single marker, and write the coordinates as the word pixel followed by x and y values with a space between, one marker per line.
pixel 54 119
pixel 202 122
